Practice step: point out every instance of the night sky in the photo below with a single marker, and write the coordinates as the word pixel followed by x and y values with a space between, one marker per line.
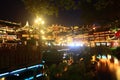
pixel 14 10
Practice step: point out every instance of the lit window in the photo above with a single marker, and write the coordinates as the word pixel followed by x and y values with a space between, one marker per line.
pixel 97 44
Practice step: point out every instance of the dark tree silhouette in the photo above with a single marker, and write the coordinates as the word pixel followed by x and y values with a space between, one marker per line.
pixel 102 11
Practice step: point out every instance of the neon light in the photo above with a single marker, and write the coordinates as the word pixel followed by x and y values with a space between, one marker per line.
pixel 43 61
pixel 19 70
pixel 41 65
pixel 4 74
pixel 31 67
pixel 16 74
pixel 30 78
pixel 39 75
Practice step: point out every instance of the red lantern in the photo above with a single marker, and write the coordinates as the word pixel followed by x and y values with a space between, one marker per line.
pixel 117 34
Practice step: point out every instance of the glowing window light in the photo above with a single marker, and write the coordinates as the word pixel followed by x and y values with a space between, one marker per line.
pixel 76 44
pixel 109 56
pixel 108 44
pixel 104 57
pixel 116 61
pixel 97 44
pixel 103 43
pixel 99 56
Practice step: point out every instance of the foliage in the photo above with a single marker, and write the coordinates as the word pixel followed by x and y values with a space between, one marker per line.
pixel 50 7
pixel 91 10
pixel 116 52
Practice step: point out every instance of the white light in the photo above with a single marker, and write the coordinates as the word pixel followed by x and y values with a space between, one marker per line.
pixel 16 74
pixel 49 44
pixel 30 78
pixel 99 56
pixel 39 75
pixel 63 57
pixel 19 70
pixel 42 22
pixel 109 56
pixel 116 61
pixel 65 54
pixel 32 67
pixel 42 31
pixel 3 74
pixel 72 44
pixel 104 57
pixel 76 44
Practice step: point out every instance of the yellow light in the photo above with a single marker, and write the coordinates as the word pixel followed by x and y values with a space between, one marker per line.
pixel 2 78
pixel 42 32
pixel 38 20
pixel 109 57
pixel 116 61
pixel 94 28
pixel 42 22
pixel 43 37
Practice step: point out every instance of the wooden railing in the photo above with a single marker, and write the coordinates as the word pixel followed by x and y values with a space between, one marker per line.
pixel 14 56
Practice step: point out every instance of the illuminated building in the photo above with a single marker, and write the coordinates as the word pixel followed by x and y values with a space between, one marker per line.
pixel 68 36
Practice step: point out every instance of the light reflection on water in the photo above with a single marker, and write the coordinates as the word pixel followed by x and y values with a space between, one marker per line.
pixel 112 63
pixel 2 78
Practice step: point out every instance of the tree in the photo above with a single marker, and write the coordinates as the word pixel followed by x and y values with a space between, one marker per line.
pixel 91 10
pixel 116 52
pixel 49 7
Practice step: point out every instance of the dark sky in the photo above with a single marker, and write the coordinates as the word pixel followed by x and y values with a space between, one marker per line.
pixel 14 10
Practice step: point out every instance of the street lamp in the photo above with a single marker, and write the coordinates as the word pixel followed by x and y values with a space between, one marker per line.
pixel 39 21
pixel 42 32
pixel 42 22
pixel 39 24
pixel 39 28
